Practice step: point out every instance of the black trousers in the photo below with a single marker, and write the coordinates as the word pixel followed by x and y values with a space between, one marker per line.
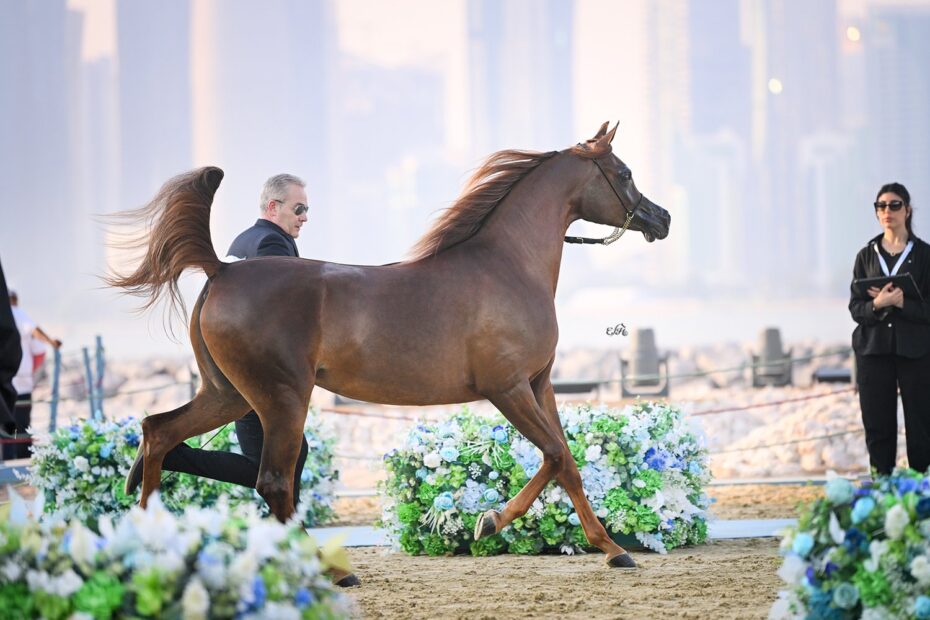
pixel 241 469
pixel 879 377
pixel 22 415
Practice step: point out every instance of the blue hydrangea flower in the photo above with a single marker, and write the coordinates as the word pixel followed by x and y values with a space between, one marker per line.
pixel 923 508
pixel 303 598
pixel 421 473
pixel 494 475
pixel 449 453
pixel 573 519
pixel 922 607
pixel 906 485
pixel 499 434
pixel 132 439
pixel 829 569
pixel 803 543
pixel 656 459
pixel 839 491
pixel 811 575
pixel 694 468
pixel 444 501
pixel 862 509
pixel 845 596
pixel 258 592
pixel 106 450
pixel 491 496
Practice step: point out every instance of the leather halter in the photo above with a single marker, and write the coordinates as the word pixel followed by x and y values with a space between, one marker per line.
pixel 617 233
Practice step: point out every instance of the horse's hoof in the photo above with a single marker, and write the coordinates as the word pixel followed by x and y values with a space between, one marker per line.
pixel 486 525
pixel 348 581
pixel 134 477
pixel 622 560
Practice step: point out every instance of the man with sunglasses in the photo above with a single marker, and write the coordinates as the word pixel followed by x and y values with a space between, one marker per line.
pixel 282 212
pixel 892 338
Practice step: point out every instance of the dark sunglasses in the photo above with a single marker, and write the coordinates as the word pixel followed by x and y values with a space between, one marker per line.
pixel 298 210
pixel 894 205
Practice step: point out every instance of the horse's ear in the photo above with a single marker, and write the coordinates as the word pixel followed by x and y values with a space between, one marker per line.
pixel 610 136
pixel 600 132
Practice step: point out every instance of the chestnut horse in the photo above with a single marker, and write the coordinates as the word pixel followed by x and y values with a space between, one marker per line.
pixel 470 316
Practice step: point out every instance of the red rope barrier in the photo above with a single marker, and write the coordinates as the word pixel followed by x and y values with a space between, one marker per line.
pixel 772 403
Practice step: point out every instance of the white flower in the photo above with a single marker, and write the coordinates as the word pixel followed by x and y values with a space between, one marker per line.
pixel 877 549
pixel 11 571
pixel 66 584
pixel 278 611
pixel 195 602
pixel 243 568
pixel 602 512
pixel 432 460
pixel 792 570
pixel 592 453
pixel 836 531
pixel 896 519
pixel 264 537
pixel 785 606
pixel 81 464
pixel 80 615
pixel 920 569
pixel 83 546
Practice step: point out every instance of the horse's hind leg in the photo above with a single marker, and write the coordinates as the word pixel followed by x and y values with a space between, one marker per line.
pixel 519 406
pixel 210 409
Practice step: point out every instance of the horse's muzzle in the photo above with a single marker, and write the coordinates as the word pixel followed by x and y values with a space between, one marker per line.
pixel 655 221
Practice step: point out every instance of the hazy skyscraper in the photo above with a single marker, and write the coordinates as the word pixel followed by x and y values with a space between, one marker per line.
pixel 520 74
pixel 261 106
pixel 40 74
pixel 155 96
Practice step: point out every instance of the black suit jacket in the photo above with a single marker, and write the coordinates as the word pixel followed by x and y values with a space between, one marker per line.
pixel 11 354
pixel 903 331
pixel 263 239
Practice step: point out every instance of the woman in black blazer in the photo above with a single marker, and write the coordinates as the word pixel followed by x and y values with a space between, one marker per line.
pixel 892 338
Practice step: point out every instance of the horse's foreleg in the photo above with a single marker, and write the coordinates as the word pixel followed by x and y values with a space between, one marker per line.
pixel 520 407
pixel 570 480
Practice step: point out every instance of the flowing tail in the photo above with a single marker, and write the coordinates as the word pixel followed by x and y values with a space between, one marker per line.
pixel 175 237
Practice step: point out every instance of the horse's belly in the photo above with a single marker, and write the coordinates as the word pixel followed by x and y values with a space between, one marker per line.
pixel 395 390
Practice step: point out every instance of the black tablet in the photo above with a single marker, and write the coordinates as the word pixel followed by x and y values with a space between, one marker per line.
pixel 902 280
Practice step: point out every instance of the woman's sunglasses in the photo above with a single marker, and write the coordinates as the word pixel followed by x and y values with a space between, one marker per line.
pixel 894 205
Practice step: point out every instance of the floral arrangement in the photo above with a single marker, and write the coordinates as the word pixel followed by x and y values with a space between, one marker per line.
pixel 206 563
pixel 81 469
pixel 642 467
pixel 860 552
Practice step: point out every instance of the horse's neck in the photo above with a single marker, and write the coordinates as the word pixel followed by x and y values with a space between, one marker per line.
pixel 528 227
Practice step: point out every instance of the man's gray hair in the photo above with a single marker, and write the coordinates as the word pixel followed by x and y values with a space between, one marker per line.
pixel 276 188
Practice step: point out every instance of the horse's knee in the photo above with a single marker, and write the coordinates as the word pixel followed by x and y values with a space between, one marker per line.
pixel 554 456
pixel 155 444
pixel 276 490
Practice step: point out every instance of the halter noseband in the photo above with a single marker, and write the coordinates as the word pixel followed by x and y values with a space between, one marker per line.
pixel 617 233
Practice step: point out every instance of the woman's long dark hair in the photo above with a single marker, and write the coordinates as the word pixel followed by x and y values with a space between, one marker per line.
pixel 900 190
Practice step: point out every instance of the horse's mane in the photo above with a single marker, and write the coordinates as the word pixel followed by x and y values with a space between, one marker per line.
pixel 485 190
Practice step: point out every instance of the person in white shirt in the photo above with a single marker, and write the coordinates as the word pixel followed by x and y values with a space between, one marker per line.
pixel 31 338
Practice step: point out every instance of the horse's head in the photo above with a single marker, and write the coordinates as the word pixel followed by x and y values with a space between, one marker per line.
pixel 610 196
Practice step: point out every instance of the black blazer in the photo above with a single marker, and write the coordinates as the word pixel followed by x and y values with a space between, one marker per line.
pixel 904 331
pixel 265 238
pixel 10 355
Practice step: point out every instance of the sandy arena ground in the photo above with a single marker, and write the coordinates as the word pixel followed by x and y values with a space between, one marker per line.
pixel 721 580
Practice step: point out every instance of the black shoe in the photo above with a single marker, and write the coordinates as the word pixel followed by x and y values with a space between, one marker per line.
pixel 134 477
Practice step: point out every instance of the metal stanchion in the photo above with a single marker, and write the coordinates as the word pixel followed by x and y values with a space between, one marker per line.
pixel 53 403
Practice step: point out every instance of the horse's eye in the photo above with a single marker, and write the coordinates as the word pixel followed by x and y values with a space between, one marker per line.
pixel 626 175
